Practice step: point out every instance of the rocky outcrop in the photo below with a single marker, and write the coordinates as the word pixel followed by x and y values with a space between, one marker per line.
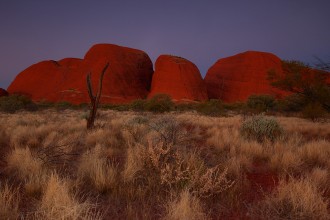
pixel 127 78
pixel 235 78
pixel 179 78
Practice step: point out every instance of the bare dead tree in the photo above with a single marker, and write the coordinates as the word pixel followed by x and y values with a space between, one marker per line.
pixel 95 99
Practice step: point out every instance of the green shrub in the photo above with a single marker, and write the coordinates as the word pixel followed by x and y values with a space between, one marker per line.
pixel 13 103
pixel 116 107
pixel 260 128
pixel 63 105
pixel 314 111
pixel 213 107
pixel 44 104
pixel 160 103
pixel 138 105
pixel 291 103
pixel 238 107
pixel 261 103
pixel 187 106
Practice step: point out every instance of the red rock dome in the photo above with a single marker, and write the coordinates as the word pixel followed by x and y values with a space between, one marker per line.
pixel 178 78
pixel 129 74
pixel 235 78
pixel 3 92
pixel 127 78
pixel 40 81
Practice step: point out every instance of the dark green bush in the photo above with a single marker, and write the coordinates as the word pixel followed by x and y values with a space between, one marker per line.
pixel 160 103
pixel 314 111
pixel 213 107
pixel 261 103
pixel 13 103
pixel 138 105
pixel 291 103
pixel 238 107
pixel 260 128
pixel 181 107
pixel 116 107
pixel 63 105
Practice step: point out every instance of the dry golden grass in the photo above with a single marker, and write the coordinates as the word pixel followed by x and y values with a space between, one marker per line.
pixel 96 169
pixel 9 200
pixel 294 199
pixel 58 202
pixel 170 166
pixel 134 162
pixel 21 161
pixel 185 207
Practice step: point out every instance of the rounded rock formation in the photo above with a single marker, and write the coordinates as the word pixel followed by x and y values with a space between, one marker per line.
pixel 3 92
pixel 127 78
pixel 178 78
pixel 235 78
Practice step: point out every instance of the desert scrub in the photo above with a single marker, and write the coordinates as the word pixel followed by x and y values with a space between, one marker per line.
pixel 13 103
pixel 160 103
pixel 261 103
pixel 295 199
pixel 213 107
pixel 261 128
pixel 314 112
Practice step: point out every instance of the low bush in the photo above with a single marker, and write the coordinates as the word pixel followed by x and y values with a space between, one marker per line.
pixel 213 107
pixel 13 103
pixel 116 107
pixel 261 103
pixel 160 103
pixel 63 105
pixel 236 106
pixel 138 105
pixel 291 103
pixel 314 111
pixel 260 128
pixel 188 106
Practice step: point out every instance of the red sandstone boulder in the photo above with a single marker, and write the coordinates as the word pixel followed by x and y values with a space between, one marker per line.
pixel 129 74
pixel 127 78
pixel 40 81
pixel 3 92
pixel 235 78
pixel 178 78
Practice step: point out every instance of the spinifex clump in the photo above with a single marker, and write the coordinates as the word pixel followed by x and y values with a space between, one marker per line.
pixel 260 128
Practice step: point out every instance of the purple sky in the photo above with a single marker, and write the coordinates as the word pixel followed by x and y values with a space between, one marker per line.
pixel 202 31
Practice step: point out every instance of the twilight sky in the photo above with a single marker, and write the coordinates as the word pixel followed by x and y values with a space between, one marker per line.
pixel 202 31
